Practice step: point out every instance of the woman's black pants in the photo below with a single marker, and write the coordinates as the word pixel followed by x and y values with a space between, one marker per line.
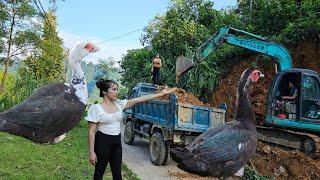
pixel 108 149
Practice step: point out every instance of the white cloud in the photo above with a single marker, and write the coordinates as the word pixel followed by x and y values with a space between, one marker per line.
pixel 110 49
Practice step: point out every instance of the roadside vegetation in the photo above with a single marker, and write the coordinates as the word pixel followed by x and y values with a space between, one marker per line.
pixel 23 159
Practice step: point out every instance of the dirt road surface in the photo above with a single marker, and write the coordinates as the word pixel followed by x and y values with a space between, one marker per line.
pixel 136 157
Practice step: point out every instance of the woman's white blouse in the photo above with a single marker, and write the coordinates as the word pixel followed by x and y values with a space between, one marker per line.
pixel 107 123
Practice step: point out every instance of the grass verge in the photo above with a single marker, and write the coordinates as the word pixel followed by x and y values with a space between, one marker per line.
pixel 23 159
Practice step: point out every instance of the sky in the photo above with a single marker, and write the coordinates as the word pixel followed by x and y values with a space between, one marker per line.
pixel 102 20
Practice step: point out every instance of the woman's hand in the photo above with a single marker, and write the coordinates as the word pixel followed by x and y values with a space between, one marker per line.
pixel 92 158
pixel 166 90
pixel 132 102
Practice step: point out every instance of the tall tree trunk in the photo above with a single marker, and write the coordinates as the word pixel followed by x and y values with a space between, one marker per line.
pixel 7 60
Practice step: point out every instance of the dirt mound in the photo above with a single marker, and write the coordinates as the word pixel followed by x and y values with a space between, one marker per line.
pixel 307 55
pixel 185 97
pixel 226 92
pixel 284 164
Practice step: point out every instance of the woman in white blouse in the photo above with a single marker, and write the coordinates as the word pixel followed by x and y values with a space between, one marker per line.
pixel 104 127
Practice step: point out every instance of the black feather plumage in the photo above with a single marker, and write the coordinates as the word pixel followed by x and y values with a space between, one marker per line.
pixel 49 112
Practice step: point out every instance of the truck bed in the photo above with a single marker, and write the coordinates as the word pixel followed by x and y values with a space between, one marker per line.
pixel 174 115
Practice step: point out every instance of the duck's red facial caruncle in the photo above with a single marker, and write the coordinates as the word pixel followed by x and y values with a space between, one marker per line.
pixel 91 48
pixel 255 75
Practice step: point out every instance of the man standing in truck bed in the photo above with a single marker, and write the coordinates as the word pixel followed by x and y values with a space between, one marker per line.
pixel 155 69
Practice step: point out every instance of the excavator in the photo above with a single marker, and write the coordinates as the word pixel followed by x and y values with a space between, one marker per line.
pixel 299 126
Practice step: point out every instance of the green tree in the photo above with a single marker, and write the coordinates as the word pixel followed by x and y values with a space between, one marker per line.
pixel 3 18
pixel 106 70
pixel 44 65
pixel 136 65
pixel 19 31
pixel 283 21
pixel 180 31
pixel 47 63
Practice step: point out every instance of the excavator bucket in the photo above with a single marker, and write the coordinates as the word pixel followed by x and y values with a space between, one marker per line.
pixel 183 64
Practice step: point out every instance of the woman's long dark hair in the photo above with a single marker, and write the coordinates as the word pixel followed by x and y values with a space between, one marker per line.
pixel 104 85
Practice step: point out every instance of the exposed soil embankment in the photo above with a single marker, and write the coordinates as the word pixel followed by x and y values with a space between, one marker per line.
pixel 283 164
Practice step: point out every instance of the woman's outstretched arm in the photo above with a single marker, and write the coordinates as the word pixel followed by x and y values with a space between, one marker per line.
pixel 145 98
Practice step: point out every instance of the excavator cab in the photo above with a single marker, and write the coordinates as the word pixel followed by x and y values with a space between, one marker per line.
pixel 302 112
pixel 287 108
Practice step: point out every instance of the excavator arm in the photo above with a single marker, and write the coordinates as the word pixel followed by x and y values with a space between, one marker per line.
pixel 277 52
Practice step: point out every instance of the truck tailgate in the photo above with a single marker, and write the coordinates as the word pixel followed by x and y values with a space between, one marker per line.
pixel 198 118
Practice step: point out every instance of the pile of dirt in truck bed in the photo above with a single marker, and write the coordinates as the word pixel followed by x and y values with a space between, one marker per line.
pixel 277 163
pixel 185 97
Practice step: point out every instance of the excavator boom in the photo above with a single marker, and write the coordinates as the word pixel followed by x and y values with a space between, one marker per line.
pixel 277 52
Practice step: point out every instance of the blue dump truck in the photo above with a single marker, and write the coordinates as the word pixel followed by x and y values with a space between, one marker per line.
pixel 166 122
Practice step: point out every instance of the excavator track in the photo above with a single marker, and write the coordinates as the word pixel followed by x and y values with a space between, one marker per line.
pixel 305 142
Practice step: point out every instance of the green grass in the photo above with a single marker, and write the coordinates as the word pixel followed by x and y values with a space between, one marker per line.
pixel 23 159
pixel 251 174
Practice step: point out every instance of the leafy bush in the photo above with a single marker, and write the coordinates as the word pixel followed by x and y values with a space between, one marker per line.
pixel 18 88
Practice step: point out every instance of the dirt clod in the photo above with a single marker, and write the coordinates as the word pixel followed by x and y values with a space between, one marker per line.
pixel 266 149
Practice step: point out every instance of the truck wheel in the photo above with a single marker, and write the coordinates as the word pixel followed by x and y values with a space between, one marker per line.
pixel 129 133
pixel 158 149
pixel 167 153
